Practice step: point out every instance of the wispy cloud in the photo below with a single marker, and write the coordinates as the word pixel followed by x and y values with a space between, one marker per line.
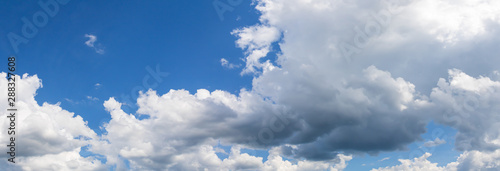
pixel 384 159
pixel 87 100
pixel 92 43
pixel 226 64
pixel 92 98
pixel 71 101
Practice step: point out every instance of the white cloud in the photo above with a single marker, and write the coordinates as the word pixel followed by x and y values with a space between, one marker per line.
pixel 91 43
pixel 473 160
pixel 434 142
pixel 68 160
pixel 458 21
pixel 97 85
pixel 206 115
pixel 420 163
pixel 256 41
pixel 470 105
pixel 47 137
pixel 469 160
pixel 204 158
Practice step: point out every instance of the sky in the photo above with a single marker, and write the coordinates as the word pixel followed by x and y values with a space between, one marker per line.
pixel 253 85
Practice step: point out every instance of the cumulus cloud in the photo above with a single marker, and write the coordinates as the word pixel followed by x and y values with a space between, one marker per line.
pixel 470 105
pixel 161 138
pixel 469 160
pixel 313 105
pixel 474 160
pixel 256 41
pixel 420 163
pixel 47 136
pixel 312 67
pixel 204 158
pixel 91 43
pixel 250 120
pixel 161 142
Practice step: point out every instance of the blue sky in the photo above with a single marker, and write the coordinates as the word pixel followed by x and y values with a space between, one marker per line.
pixel 186 40
pixel 406 90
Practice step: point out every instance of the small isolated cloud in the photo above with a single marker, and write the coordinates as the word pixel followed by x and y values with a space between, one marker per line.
pixel 92 98
pixel 97 86
pixel 91 43
pixel 495 75
pixel 434 143
pixel 384 159
pixel 226 64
